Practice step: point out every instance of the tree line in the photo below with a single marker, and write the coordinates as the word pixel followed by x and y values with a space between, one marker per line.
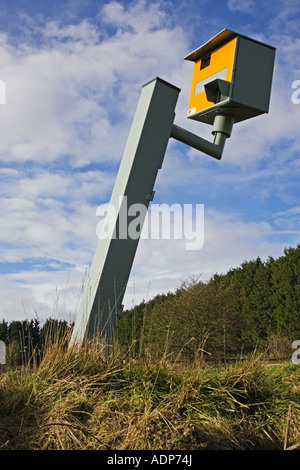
pixel 25 339
pixel 255 306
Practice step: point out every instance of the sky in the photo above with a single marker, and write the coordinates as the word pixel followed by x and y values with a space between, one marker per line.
pixel 73 71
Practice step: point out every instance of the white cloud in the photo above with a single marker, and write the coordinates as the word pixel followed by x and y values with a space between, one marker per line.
pixel 162 265
pixel 74 95
pixel 245 6
pixel 140 17
pixel 84 32
pixel 48 215
pixel 285 20
pixel 41 293
pixel 71 98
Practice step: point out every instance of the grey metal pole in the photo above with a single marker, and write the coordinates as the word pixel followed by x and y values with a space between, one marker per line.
pixel 222 128
pixel 151 129
pixel 143 156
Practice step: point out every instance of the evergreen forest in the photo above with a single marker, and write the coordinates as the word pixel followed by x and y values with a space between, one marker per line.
pixel 254 307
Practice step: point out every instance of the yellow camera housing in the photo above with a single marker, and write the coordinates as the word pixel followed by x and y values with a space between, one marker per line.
pixel 232 75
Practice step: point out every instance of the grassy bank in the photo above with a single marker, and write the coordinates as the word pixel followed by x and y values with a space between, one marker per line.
pixel 90 401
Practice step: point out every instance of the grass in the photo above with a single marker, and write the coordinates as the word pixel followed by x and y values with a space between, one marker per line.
pixel 89 401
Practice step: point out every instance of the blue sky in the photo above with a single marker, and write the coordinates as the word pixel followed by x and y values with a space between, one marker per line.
pixel 73 72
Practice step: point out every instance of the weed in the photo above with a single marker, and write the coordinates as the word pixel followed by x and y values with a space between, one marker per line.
pixel 75 400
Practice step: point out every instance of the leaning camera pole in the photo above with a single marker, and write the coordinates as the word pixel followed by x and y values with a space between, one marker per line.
pixel 231 82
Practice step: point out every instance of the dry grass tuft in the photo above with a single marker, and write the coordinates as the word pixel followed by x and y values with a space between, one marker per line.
pixel 90 400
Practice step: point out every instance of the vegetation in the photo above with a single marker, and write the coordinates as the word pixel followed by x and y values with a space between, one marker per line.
pixel 74 401
pixel 253 307
pixel 26 339
pixel 187 371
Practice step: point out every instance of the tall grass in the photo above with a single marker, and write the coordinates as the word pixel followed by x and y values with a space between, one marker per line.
pixel 82 400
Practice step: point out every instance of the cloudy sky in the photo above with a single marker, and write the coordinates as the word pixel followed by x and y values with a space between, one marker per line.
pixel 73 72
